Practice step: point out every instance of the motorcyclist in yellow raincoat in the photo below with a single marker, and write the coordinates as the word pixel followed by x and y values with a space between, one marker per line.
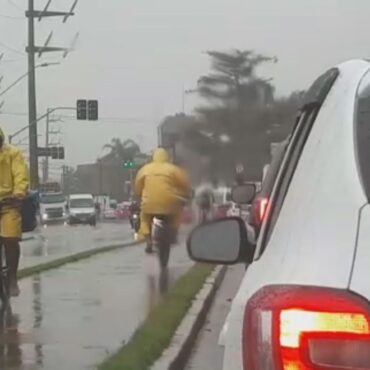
pixel 14 183
pixel 163 189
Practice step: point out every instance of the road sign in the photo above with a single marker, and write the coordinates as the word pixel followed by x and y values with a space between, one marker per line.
pixel 56 152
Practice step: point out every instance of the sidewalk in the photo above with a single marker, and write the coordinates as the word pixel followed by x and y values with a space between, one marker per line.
pixel 207 354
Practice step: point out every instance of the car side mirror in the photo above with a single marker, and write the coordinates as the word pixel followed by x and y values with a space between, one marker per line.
pixel 218 242
pixel 243 194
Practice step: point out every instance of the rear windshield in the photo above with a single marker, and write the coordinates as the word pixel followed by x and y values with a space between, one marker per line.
pixel 52 198
pixel 81 203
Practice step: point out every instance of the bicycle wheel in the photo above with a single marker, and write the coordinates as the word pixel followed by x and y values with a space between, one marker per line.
pixel 4 278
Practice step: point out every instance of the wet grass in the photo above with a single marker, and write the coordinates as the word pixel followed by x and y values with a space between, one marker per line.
pixel 155 334
pixel 42 267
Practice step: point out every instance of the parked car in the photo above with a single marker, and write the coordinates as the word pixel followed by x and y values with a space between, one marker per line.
pixel 110 214
pixel 304 302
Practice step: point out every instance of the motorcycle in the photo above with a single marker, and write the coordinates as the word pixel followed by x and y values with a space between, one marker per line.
pixel 135 221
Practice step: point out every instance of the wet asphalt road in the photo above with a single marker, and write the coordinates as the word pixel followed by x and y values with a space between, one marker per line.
pixel 73 317
pixel 56 241
pixel 207 354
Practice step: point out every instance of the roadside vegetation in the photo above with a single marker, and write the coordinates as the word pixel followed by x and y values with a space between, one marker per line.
pixel 155 334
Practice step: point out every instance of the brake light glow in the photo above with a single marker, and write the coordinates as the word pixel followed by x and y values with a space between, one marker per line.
pixel 294 322
pixel 262 208
pixel 306 328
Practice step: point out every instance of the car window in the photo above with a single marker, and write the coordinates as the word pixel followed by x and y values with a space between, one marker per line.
pixel 362 133
pixel 315 97
pixel 274 169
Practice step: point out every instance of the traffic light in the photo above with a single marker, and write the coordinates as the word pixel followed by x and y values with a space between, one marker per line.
pixel 57 152
pixel 82 109
pixel 129 165
pixel 92 110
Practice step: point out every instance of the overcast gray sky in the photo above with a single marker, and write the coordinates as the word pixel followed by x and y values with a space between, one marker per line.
pixel 136 56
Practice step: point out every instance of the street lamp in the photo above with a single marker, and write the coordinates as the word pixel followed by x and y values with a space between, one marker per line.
pixel 19 79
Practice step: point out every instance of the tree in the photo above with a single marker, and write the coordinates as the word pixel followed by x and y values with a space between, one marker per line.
pixel 233 83
pixel 241 106
pixel 121 151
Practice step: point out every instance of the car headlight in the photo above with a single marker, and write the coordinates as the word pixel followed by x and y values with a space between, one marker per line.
pixel 45 216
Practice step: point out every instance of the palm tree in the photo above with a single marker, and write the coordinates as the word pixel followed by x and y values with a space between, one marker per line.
pixel 122 151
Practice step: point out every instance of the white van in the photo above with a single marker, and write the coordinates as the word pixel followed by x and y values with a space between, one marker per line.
pixel 81 209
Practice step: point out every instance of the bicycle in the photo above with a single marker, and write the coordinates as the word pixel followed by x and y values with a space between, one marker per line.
pixel 4 270
pixel 162 238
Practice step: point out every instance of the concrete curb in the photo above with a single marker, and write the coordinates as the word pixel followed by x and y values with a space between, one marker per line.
pixel 176 356
pixel 59 262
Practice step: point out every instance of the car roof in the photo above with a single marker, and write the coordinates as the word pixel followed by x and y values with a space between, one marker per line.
pixel 81 196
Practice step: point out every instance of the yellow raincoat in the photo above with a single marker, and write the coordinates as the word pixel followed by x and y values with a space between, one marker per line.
pixel 14 181
pixel 162 187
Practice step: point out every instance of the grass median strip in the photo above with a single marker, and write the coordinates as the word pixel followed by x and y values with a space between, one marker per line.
pixel 42 267
pixel 155 334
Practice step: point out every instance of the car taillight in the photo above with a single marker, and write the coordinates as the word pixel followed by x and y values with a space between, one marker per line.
pixel 306 328
pixel 262 207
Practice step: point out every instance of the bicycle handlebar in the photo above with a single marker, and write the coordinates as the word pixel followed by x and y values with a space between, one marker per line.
pixel 9 201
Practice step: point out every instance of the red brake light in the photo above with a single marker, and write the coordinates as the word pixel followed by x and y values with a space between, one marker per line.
pixel 304 328
pixel 263 205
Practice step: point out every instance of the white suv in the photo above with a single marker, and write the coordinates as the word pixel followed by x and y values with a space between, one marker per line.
pixel 304 301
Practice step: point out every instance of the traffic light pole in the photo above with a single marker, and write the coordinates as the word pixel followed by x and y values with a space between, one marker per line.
pixel 11 137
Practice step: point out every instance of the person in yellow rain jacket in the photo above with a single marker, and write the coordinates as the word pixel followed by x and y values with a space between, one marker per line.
pixel 163 188
pixel 14 183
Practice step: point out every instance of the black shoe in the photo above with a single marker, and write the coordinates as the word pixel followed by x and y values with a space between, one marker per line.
pixel 149 249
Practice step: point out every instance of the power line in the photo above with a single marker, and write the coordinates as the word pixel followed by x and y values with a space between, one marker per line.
pixel 14 114
pixel 13 60
pixel 11 49
pixel 11 17
pixel 101 119
pixel 11 2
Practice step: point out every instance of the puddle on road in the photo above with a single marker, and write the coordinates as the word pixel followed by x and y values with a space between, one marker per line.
pixel 72 318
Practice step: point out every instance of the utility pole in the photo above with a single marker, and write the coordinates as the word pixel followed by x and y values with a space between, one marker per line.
pixel 45 170
pixel 31 49
pixel 32 113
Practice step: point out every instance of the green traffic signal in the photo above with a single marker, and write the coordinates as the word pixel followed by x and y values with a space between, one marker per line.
pixel 129 165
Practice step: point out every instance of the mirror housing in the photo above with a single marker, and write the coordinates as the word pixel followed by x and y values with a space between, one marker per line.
pixel 223 241
pixel 244 193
